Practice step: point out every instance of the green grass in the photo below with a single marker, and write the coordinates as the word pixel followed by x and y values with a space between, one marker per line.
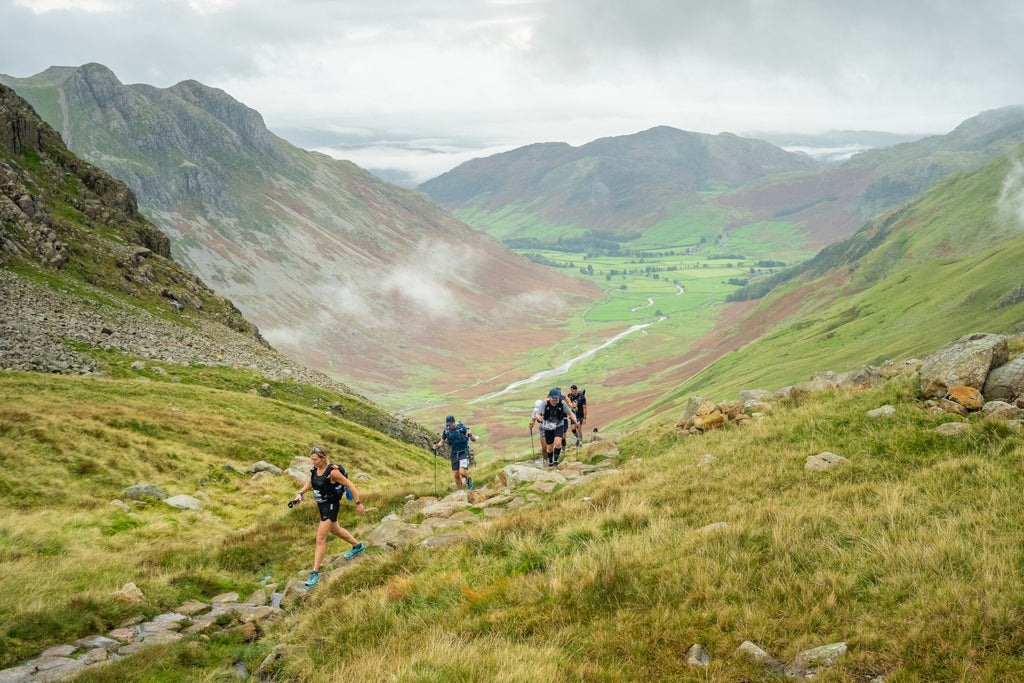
pixel 70 445
pixel 909 554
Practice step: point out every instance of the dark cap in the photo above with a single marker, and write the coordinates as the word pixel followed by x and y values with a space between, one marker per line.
pixel 555 393
pixel 573 387
pixel 449 419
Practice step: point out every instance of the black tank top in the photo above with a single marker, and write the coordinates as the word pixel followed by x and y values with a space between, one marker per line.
pixel 325 490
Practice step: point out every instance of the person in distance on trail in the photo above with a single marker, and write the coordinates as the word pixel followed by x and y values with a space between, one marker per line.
pixel 556 410
pixel 572 408
pixel 537 418
pixel 579 401
pixel 329 483
pixel 458 437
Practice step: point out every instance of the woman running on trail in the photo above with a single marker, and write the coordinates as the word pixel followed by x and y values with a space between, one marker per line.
pixel 328 483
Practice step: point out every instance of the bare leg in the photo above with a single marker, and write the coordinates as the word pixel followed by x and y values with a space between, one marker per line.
pixel 322 531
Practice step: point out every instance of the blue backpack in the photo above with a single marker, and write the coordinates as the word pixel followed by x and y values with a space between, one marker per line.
pixel 457 437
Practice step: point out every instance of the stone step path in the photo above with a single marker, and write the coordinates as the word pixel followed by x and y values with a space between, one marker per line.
pixel 224 614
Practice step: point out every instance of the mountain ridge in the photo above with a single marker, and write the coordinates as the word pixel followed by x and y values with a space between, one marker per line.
pixel 85 276
pixel 307 246
pixel 821 202
pixel 612 181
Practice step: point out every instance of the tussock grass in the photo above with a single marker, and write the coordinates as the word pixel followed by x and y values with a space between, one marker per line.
pixel 70 445
pixel 910 554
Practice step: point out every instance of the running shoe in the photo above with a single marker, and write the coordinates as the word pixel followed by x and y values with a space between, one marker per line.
pixel 469 482
pixel 313 578
pixel 356 549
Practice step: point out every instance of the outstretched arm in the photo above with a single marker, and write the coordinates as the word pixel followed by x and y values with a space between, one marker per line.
pixel 338 478
pixel 305 487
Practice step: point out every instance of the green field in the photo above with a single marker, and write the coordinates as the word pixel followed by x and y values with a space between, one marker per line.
pixel 676 290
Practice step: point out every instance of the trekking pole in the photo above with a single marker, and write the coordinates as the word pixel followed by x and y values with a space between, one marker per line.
pixel 435 471
pixel 533 453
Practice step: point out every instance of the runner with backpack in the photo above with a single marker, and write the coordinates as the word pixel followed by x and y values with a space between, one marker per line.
pixel 556 411
pixel 458 437
pixel 537 417
pixel 579 400
pixel 329 483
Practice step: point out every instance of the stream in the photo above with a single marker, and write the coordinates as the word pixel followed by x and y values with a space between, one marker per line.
pixel 564 367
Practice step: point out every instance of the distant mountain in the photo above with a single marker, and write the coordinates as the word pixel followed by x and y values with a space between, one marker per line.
pixel 943 265
pixel 651 182
pixel 351 274
pixel 617 185
pixel 86 282
pixel 832 205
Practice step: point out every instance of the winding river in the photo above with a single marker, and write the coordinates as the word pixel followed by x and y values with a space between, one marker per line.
pixel 564 367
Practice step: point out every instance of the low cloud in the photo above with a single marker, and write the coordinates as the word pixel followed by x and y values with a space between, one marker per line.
pixel 539 302
pixel 425 293
pixel 1011 198
pixel 289 337
pixel 410 163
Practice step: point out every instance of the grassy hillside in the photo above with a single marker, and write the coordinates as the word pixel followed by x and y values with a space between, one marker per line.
pixel 70 445
pixel 944 265
pixel 909 554
pixel 656 183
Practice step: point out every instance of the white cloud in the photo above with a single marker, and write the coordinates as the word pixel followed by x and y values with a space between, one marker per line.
pixel 1011 198
pixel 419 160
pixel 424 291
pixel 488 75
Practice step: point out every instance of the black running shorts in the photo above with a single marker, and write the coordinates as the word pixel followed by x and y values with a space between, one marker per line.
pixel 328 511
pixel 550 434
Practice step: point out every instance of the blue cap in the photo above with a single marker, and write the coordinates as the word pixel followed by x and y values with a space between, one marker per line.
pixel 555 393
pixel 449 419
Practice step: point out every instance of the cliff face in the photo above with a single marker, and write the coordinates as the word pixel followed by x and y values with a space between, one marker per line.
pixel 63 214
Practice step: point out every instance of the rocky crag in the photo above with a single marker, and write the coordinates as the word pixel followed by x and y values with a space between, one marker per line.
pixel 81 266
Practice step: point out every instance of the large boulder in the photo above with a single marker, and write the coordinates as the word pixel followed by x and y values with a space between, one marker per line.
pixel 184 502
pixel 1006 382
pixel 748 396
pixel 444 508
pixel 863 377
pixel 808 663
pixel 416 505
pixel 823 461
pixel 514 475
pixel 144 492
pixel 264 466
pixel 968 397
pixel 812 386
pixel 965 361
pixel 393 533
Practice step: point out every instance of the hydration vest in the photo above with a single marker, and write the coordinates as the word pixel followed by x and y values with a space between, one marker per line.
pixel 554 415
pixel 325 490
pixel 457 437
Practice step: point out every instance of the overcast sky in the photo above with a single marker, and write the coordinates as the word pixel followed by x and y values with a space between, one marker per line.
pixel 422 85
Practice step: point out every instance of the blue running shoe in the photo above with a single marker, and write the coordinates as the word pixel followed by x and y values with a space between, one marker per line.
pixel 313 578
pixel 469 482
pixel 356 549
